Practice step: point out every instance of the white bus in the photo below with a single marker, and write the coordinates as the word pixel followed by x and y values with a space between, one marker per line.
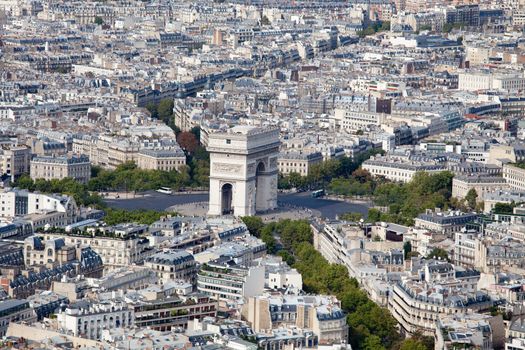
pixel 165 190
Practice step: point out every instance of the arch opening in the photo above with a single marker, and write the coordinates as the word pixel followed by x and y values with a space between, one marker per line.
pixel 226 199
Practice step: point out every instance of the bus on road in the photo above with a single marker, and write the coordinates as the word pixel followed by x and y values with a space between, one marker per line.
pixel 165 190
pixel 318 193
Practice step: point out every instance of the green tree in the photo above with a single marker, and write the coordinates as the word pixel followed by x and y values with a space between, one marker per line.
pixel 438 253
pixel 373 342
pixel 374 215
pixel 413 344
pixel 152 108
pixel 25 182
pixel 385 26
pixel 254 224
pixel 265 21
pixel 197 132
pixel 165 109
pixel 287 257
pixel 99 21
pixel 504 208
pixel 407 248
pixel 471 198
pixel 355 217
pixel 141 216
pixel 268 238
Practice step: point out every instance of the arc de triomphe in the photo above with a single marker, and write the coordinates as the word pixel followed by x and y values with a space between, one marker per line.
pixel 243 170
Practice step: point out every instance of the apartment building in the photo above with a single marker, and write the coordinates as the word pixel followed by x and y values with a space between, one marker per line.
pixel 502 154
pixel 318 313
pixel 225 280
pixel 279 275
pixel 477 331
pixel 356 120
pixel 53 263
pixel 399 169
pixel 87 319
pixel 417 311
pixel 447 223
pixel 461 185
pixel 14 311
pixel 46 303
pixel 465 243
pixel 488 80
pixel 48 168
pixel 46 147
pixel 14 161
pixel 490 199
pixel 105 151
pixel 49 253
pixel 171 312
pixel 164 159
pixel 15 202
pixel 298 162
pixel 514 176
pixel 433 20
pixel 115 251
pixel 173 265
pixel 16 113
pixel 495 256
pixel 467 14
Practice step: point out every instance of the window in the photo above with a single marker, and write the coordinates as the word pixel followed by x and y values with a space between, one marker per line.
pixel 228 141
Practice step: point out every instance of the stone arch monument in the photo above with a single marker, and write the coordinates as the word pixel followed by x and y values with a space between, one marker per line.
pixel 243 170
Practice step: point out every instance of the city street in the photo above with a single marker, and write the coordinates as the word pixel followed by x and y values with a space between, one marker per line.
pixel 296 201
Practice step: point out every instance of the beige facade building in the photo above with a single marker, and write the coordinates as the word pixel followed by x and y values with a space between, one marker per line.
pixel 356 120
pixel 400 169
pixel 15 161
pixel 320 314
pixel 48 168
pixel 166 160
pixel 298 162
pixel 106 151
pixel 114 251
pixel 461 185
pixel 447 223
pixel 50 253
pixel 416 312
pixel 501 154
pixel 514 176
pixel 480 80
pixel 173 265
pixel 478 55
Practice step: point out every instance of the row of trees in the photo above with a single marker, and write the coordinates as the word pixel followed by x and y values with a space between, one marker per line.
pixel 67 186
pixel 126 177
pixel 141 216
pixel 320 175
pixel 404 201
pixel 374 28
pixel 371 327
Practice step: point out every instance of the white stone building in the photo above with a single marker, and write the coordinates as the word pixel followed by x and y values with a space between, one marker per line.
pixel 88 319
